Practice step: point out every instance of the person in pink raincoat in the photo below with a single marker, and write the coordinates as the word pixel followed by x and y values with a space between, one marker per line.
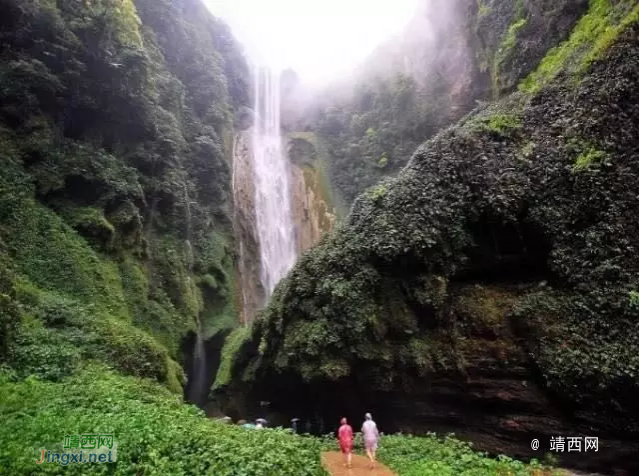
pixel 345 436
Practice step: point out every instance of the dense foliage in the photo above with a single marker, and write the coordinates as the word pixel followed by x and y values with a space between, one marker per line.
pixel 452 54
pixel 155 432
pixel 371 134
pixel 534 197
pixel 115 234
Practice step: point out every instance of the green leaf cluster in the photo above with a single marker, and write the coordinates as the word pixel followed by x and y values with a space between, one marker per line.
pixel 437 456
pixel 595 32
pixel 156 433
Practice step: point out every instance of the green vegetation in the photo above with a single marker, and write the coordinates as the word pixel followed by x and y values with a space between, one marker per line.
pixel 115 186
pixel 377 193
pixel 511 38
pixel 508 44
pixel 588 158
pixel 115 229
pixel 116 240
pixel 595 32
pixel 156 433
pixel 372 135
pixel 484 9
pixel 527 150
pixel 230 352
pixel 572 351
pixel 434 456
pixel 502 124
pixel 608 37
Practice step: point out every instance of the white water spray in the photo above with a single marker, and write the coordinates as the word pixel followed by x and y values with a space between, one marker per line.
pixel 273 176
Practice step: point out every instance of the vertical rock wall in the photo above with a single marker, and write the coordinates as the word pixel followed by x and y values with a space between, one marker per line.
pixel 251 295
pixel 312 216
pixel 313 210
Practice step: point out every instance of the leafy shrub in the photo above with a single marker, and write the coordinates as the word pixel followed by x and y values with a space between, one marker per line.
pixel 435 456
pixel 156 433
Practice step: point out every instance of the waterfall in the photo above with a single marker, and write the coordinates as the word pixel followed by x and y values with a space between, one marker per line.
pixel 197 392
pixel 272 183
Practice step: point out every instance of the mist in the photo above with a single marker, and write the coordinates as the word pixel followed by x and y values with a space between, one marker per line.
pixel 320 41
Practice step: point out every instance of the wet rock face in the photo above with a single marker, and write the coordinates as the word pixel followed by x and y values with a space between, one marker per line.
pixel 251 293
pixel 310 212
pixel 493 395
pixel 313 214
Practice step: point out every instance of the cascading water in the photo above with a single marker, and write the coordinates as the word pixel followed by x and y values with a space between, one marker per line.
pixel 272 179
pixel 197 391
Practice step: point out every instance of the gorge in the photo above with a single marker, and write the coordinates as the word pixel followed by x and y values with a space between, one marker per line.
pixel 446 238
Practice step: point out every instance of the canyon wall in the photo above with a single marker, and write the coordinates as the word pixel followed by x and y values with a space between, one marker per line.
pixel 313 206
pixel 251 296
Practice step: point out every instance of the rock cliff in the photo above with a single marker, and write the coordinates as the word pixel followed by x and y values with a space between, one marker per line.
pixel 116 121
pixel 313 210
pixel 251 296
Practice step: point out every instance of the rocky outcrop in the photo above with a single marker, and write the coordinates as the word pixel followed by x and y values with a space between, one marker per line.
pixel 496 398
pixel 251 292
pixel 313 212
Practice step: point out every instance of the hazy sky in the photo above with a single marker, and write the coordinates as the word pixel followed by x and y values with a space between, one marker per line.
pixel 320 39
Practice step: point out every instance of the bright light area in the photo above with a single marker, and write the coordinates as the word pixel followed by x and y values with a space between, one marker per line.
pixel 320 39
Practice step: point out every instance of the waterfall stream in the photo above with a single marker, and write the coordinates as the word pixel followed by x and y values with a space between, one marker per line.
pixel 197 392
pixel 273 209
